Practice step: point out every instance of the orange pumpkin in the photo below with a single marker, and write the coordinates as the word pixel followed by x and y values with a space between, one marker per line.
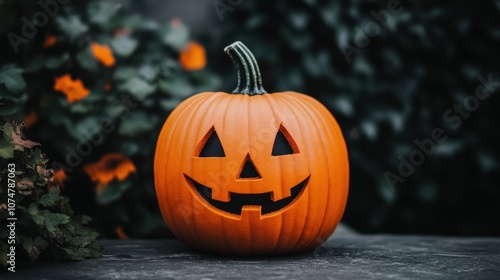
pixel 250 172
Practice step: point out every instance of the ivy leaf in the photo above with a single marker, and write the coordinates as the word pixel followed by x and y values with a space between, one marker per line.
pixel 53 220
pixel 138 122
pixel 129 148
pixel 179 87
pixel 169 104
pixel 72 26
pixel 10 76
pixel 148 72
pixel 50 198
pixel 82 240
pixel 84 129
pixel 138 23
pixel 6 145
pixel 102 12
pixel 6 148
pixel 56 62
pixel 176 37
pixel 82 237
pixel 6 153
pixel 113 191
pixel 12 106
pixel 298 19
pixel 36 63
pixel 87 60
pixel 124 73
pixel 124 45
pixel 40 243
pixel 35 214
pixel 138 88
pixel 29 248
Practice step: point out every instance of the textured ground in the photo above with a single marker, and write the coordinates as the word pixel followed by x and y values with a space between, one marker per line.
pixel 344 256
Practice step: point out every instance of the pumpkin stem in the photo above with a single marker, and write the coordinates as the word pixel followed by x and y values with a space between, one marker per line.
pixel 247 69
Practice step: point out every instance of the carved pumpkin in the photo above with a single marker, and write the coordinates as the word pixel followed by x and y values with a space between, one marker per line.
pixel 250 172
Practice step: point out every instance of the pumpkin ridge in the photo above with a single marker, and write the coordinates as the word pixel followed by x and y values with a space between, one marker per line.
pixel 300 111
pixel 307 111
pixel 209 105
pixel 163 147
pixel 270 101
pixel 340 140
pixel 189 114
pixel 228 235
pixel 225 231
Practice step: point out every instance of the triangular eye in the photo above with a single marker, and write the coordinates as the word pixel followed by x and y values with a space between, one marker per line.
pixel 211 145
pixel 284 144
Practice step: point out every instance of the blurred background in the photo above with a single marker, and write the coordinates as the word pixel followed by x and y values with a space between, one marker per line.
pixel 393 73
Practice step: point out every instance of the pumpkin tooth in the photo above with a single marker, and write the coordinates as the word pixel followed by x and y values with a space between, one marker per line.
pixel 251 212
pixel 220 195
pixel 280 194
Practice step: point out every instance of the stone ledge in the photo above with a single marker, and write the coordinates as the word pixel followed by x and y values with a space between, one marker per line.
pixel 342 257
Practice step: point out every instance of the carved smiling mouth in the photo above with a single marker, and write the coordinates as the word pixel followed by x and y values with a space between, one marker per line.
pixel 238 200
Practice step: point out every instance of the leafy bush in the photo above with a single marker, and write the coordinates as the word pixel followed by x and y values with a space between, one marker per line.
pixel 45 225
pixel 99 83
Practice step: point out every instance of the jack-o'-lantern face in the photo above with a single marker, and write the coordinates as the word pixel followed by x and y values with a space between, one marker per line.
pixel 233 199
pixel 251 173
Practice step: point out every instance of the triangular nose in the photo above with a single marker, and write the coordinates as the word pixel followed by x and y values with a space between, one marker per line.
pixel 249 171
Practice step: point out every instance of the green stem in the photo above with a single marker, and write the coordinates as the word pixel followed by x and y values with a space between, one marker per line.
pixel 247 69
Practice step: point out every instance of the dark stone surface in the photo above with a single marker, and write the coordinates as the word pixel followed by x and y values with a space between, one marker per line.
pixel 342 257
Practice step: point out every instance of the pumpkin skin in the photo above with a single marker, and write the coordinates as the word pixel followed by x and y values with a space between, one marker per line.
pixel 288 202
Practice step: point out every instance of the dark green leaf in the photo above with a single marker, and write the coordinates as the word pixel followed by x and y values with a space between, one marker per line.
pixel 87 60
pixel 179 88
pixel 136 123
pixel 125 73
pixel 53 220
pixel 136 22
pixel 11 76
pixel 139 88
pixel 176 37
pixel 101 12
pixel 50 198
pixel 113 191
pixel 55 62
pixel 124 45
pixel 40 243
pixel 72 26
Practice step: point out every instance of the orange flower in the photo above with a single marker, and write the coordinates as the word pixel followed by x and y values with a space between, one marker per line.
pixel 58 179
pixel 193 57
pixel 109 167
pixel 30 119
pixel 103 54
pixel 73 89
pixel 121 234
pixel 49 41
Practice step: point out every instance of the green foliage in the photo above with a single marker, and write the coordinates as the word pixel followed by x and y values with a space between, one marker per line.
pixel 12 87
pixel 46 226
pixel 124 112
pixel 11 77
